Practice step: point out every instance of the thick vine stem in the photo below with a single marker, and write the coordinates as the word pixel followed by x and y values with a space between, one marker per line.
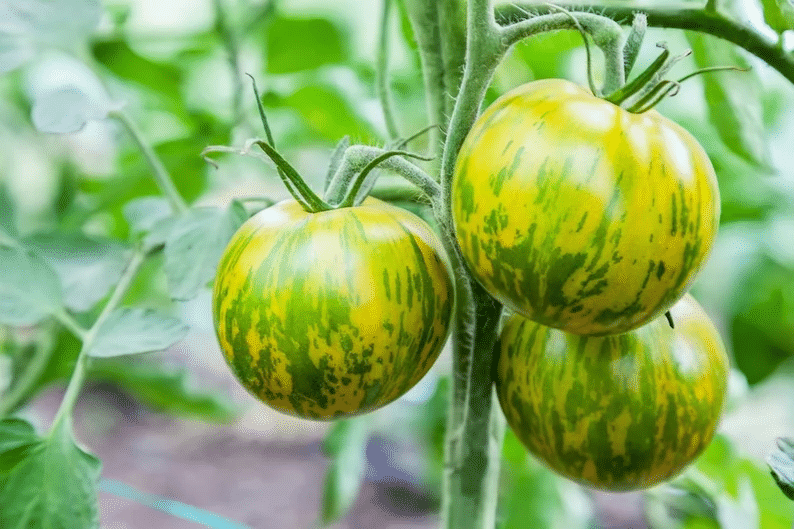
pixel 357 157
pixel 452 18
pixel 703 20
pixel 473 453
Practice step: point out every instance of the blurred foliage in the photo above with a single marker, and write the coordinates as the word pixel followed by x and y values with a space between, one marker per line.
pixel 73 207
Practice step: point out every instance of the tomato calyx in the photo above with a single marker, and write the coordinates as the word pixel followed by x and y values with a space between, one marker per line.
pixel 348 192
pixel 650 87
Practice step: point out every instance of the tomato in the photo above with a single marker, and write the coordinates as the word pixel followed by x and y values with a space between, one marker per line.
pixel 330 314
pixel 581 215
pixel 616 412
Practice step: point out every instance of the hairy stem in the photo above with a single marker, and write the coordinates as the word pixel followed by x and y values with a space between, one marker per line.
pixel 382 73
pixel 690 18
pixel 357 157
pixel 452 18
pixel 471 466
pixel 606 34
pixel 161 176
pixel 78 375
pixel 427 30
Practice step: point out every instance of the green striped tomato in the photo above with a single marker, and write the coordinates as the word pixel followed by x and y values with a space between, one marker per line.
pixel 579 214
pixel 330 314
pixel 616 412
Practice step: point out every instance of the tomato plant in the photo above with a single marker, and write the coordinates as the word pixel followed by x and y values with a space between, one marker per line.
pixel 582 209
pixel 579 214
pixel 334 313
pixel 616 412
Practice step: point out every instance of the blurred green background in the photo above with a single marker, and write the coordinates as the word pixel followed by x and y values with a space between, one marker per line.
pixel 175 425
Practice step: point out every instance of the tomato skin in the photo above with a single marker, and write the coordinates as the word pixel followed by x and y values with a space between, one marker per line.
pixel 331 314
pixel 581 215
pixel 616 412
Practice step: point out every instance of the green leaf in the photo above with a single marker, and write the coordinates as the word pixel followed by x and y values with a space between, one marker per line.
pixel 163 388
pixel 132 331
pixel 741 513
pixel 762 319
pixel 88 267
pixel 345 445
pixel 29 288
pixel 53 486
pixel 728 470
pixel 7 213
pixel 30 24
pixel 535 496
pixel 195 244
pixel 120 59
pixel 15 433
pixel 781 464
pixel 67 109
pixel 327 112
pixel 779 14
pixel 734 107
pixel 296 44
pixel 142 214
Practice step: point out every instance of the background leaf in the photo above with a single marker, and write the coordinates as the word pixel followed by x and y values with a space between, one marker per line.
pixel 7 213
pixel 164 388
pixel 195 244
pixel 144 213
pixel 346 446
pixel 781 462
pixel 53 486
pixel 15 433
pixel 779 14
pixel 88 267
pixel 131 331
pixel 29 288
pixel 66 109
pixel 732 97
pixel 295 44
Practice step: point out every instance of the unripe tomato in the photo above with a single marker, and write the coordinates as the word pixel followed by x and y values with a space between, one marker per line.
pixel 616 412
pixel 331 314
pixel 579 214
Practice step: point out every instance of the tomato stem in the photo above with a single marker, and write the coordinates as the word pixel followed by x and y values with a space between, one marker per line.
pixel 358 157
pixel 683 16
pixel 336 160
pixel 78 375
pixel 634 41
pixel 578 26
pixel 351 196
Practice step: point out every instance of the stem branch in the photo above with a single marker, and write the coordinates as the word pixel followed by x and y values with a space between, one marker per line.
pixel 382 73
pixel 78 375
pixel 683 17
pixel 427 30
pixel 159 171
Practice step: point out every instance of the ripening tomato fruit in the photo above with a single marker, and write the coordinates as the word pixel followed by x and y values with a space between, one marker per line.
pixel 616 412
pixel 330 314
pixel 579 214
